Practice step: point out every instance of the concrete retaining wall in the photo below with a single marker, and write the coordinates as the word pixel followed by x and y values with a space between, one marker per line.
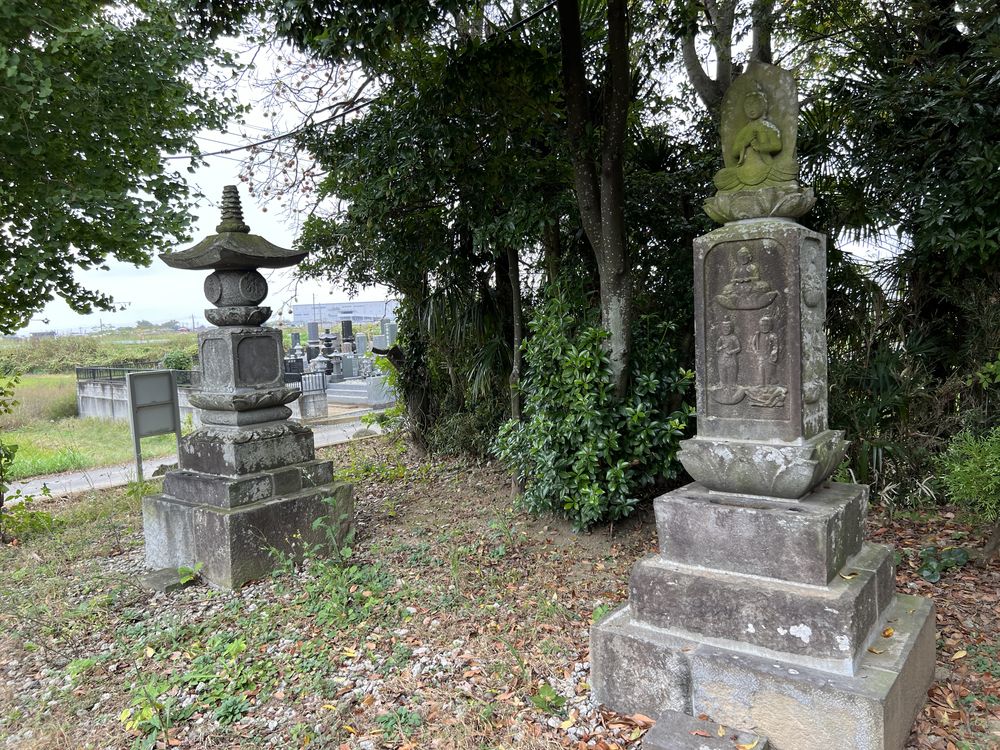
pixel 107 399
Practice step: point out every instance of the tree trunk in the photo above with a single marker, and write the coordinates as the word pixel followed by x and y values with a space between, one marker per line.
pixel 514 269
pixel 602 197
pixel 551 246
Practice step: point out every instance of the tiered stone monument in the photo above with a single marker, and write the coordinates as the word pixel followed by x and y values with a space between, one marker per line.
pixel 764 609
pixel 248 480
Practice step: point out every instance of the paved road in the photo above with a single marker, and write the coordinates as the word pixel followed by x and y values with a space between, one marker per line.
pixel 116 476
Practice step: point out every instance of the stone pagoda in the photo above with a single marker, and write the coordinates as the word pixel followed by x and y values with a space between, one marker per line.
pixel 764 609
pixel 248 481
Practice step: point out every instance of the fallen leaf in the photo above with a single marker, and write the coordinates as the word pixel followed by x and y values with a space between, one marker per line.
pixel 749 746
pixel 874 650
pixel 888 632
pixel 721 731
pixel 958 655
pixel 849 576
pixel 699 733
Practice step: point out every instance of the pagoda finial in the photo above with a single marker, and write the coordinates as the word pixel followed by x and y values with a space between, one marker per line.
pixel 232 212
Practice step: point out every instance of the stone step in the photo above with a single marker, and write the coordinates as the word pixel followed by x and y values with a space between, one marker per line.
pixel 641 669
pixel 804 541
pixel 678 731
pixel 826 627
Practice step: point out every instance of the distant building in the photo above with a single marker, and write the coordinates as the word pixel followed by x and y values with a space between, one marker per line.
pixel 334 312
pixel 43 334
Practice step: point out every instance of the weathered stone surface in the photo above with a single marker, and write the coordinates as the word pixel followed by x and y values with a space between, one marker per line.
pixel 773 202
pixel 826 627
pixel 760 302
pixel 807 541
pixel 240 357
pixel 244 418
pixel 639 670
pixel 759 127
pixel 802 709
pixel 246 450
pixel 678 731
pixel 770 469
pixel 163 581
pixel 635 667
pixel 230 492
pixel 235 545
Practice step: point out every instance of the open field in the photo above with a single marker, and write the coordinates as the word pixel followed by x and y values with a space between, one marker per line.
pixel 61 354
pixel 51 439
pixel 440 628
pixel 41 398
pixel 73 443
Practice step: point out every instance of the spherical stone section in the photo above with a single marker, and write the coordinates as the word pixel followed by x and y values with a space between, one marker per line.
pixel 213 288
pixel 253 287
pixel 235 288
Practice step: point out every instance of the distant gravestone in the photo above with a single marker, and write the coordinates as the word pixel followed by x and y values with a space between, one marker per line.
pixel 380 342
pixel 346 330
pixel 391 331
pixel 361 344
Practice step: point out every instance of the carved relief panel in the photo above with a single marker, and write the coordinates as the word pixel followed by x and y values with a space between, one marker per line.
pixel 760 301
pixel 746 345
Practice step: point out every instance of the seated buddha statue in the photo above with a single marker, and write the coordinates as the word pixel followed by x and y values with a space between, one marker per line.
pixel 754 150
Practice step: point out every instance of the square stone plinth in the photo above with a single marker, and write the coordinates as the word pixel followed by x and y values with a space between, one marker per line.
pixel 806 541
pixel 826 627
pixel 639 668
pixel 246 450
pixel 238 544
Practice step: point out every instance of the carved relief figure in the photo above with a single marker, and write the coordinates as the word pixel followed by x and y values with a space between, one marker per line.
pixel 813 286
pixel 765 346
pixel 746 290
pixel 754 149
pixel 727 350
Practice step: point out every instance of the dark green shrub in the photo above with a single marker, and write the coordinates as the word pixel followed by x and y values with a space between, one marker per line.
pixel 970 471
pixel 581 452
pixel 178 359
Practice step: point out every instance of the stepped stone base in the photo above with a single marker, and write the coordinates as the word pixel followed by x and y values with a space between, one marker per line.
pixel 237 544
pixel 637 668
pixel 768 615
pixel 241 495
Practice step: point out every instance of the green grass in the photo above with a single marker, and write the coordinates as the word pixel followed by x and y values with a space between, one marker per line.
pixel 41 398
pixel 50 447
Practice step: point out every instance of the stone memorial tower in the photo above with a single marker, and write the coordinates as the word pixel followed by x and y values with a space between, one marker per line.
pixel 764 608
pixel 248 480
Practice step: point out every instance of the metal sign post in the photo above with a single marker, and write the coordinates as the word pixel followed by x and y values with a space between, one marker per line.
pixel 152 407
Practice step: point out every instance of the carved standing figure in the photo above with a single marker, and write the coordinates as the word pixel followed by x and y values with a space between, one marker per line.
pixel 765 346
pixel 727 350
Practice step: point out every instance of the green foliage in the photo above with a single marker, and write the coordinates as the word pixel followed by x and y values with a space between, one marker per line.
pixel 188 574
pixel 399 720
pixel 177 360
pixel 17 517
pixel 548 700
pixel 63 353
pixel 970 471
pixel 933 562
pixel 92 94
pixel 580 452
pixel 231 710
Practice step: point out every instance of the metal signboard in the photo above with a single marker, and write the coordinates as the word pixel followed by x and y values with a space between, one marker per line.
pixel 152 407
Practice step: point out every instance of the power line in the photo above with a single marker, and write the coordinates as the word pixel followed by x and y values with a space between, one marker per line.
pixel 306 126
